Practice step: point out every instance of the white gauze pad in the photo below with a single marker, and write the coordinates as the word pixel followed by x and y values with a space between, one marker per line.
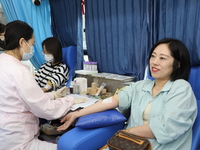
pixel 107 100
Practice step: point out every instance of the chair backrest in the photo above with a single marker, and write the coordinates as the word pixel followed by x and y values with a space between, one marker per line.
pixel 69 58
pixel 194 80
pixel 147 74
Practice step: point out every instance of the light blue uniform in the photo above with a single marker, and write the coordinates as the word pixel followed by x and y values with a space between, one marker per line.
pixel 172 113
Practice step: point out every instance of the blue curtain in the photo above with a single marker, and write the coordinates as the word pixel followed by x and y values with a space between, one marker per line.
pixel 36 16
pixel 66 17
pixel 118 34
pixel 178 19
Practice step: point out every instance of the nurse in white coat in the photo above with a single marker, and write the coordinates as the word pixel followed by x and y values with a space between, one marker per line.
pixel 21 99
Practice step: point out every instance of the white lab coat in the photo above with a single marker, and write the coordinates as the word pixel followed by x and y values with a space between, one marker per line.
pixel 21 103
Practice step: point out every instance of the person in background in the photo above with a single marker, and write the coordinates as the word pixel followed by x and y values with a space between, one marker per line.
pixel 22 101
pixel 2 30
pixel 53 74
pixel 162 110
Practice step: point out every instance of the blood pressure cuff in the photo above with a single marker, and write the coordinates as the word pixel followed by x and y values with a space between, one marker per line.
pixel 100 119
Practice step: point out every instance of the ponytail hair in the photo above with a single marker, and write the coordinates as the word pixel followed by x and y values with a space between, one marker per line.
pixel 14 31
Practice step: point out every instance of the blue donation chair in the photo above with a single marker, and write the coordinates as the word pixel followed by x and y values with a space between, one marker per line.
pixel 93 139
pixel 69 58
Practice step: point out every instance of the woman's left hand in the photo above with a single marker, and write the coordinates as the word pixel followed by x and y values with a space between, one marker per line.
pixel 68 119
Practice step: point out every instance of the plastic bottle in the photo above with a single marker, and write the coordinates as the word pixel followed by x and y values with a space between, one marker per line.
pixel 75 88
pixel 85 65
pixel 94 66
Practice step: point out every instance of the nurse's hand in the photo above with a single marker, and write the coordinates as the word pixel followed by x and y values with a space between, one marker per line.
pixel 62 92
pixel 68 119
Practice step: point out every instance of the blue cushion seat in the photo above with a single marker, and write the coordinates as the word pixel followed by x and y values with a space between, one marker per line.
pixel 100 119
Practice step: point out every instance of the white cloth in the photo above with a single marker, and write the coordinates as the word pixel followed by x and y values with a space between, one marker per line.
pixel 22 101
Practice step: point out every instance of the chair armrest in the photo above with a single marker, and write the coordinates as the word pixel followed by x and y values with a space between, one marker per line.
pixel 87 139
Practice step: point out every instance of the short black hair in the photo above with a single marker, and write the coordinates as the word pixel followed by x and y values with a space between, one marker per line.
pixel 53 46
pixel 14 31
pixel 181 55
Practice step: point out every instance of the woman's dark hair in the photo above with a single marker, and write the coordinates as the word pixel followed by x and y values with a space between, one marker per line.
pixel 53 46
pixel 181 64
pixel 14 31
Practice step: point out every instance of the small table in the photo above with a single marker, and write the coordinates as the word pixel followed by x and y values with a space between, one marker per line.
pixel 113 81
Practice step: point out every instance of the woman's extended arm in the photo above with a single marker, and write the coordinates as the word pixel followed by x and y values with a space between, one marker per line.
pixel 106 104
pixel 143 130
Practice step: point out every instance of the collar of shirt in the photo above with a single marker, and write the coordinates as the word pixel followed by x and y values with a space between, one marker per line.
pixel 148 87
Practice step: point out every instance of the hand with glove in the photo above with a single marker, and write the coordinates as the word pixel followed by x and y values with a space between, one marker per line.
pixel 60 92
pixel 79 100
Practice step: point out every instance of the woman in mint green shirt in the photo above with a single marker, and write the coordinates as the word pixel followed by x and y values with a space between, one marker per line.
pixel 162 110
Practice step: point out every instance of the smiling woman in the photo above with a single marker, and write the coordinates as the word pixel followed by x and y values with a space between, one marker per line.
pixel 168 62
pixel 161 62
pixel 174 50
pixel 156 105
